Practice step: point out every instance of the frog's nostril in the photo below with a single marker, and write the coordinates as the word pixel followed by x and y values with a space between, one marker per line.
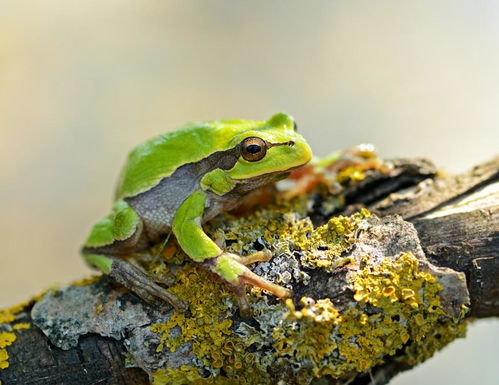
pixel 291 143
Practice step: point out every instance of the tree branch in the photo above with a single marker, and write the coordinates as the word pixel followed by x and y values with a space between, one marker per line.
pixel 456 227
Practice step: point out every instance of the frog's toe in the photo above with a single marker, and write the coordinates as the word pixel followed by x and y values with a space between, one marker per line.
pixel 260 256
pixel 242 301
pixel 253 279
pixel 230 267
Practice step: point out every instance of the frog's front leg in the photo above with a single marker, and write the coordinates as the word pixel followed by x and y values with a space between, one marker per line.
pixel 230 267
pixel 199 247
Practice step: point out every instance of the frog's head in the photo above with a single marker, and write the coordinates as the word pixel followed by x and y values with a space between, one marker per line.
pixel 268 149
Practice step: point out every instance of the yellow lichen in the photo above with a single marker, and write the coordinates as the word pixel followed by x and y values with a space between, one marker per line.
pixel 4 359
pixel 208 306
pixel 21 326
pixel 435 339
pixel 6 339
pixel 9 315
pixel 350 175
pixel 86 281
pixel 183 375
pixel 282 224
pixel 189 375
pixel 288 230
pixel 329 241
pixel 317 336
pixel 99 308
pixel 395 307
pixel 311 338
pixel 6 316
pixel 398 308
pixel 208 328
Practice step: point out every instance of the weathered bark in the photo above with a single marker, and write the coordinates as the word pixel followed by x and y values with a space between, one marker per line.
pixel 457 223
pixel 96 360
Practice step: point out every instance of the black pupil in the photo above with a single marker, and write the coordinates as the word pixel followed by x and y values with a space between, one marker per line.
pixel 253 148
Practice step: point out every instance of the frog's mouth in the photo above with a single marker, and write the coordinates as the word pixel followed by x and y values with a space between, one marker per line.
pixel 289 143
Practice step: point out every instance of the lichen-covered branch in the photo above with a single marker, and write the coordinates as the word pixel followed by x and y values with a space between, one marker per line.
pixel 374 294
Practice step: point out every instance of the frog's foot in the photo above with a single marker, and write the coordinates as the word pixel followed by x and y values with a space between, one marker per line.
pixel 232 269
pixel 135 279
pixel 139 282
pixel 164 279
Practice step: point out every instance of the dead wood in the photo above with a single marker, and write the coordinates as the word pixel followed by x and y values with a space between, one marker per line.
pixel 457 224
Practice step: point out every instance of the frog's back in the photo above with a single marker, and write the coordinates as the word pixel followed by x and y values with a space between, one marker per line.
pixel 159 157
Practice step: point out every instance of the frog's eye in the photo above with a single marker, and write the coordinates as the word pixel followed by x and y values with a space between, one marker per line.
pixel 295 126
pixel 253 149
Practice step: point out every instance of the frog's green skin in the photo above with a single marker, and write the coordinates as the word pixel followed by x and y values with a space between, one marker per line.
pixel 177 181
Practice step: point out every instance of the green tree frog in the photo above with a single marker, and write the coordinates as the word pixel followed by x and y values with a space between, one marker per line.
pixel 177 181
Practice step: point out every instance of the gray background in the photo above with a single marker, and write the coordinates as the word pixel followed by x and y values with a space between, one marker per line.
pixel 81 82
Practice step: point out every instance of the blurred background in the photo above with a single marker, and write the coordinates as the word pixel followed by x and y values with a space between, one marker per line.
pixel 82 82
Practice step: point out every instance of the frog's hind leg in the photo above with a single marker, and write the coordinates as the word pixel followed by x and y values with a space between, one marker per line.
pixel 121 233
pixel 133 278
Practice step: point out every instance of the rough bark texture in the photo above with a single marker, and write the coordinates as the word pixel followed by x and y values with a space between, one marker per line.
pixel 96 360
pixel 456 219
